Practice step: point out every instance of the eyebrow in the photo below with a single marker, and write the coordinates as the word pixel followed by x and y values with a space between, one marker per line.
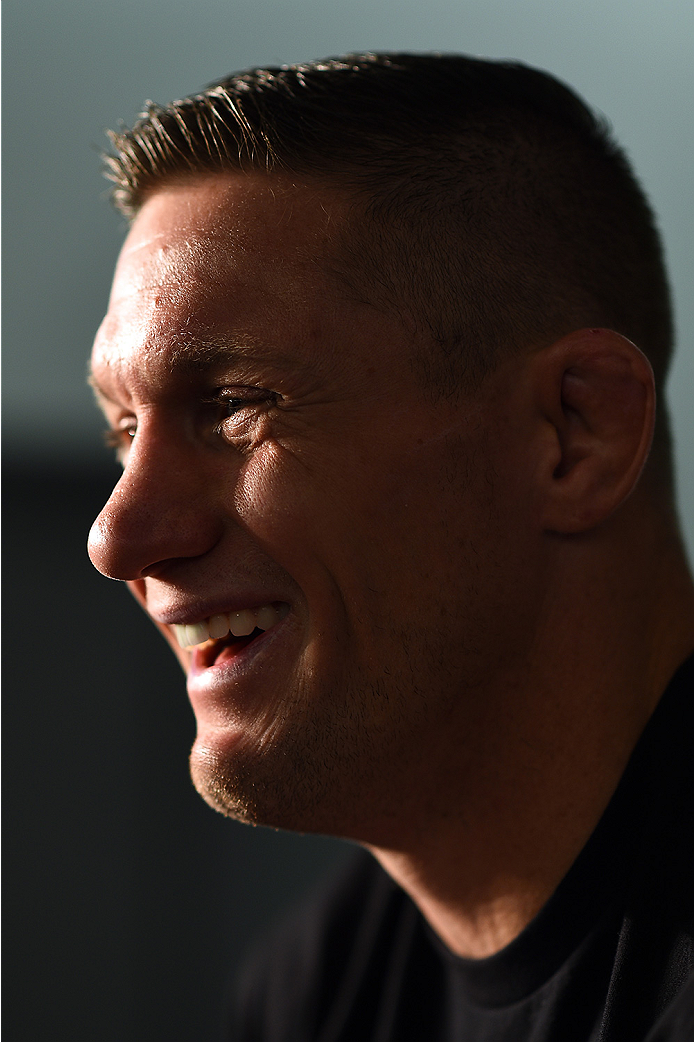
pixel 199 353
pixel 96 386
pixel 195 354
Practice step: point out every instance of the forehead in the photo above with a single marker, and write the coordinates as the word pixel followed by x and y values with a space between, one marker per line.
pixel 238 254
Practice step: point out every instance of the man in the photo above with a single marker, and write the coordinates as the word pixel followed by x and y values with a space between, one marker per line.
pixel 383 363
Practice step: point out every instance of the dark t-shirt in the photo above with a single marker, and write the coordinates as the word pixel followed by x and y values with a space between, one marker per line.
pixel 608 958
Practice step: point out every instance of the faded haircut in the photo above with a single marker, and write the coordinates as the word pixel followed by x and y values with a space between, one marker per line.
pixel 492 208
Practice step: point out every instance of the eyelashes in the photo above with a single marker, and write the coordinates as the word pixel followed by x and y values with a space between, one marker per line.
pixel 226 408
pixel 224 414
pixel 116 437
pixel 119 439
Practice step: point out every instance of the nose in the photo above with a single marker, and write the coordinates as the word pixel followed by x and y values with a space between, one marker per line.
pixel 160 511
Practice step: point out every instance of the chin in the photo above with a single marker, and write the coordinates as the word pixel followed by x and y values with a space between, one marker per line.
pixel 220 789
pixel 343 762
pixel 275 788
pixel 296 780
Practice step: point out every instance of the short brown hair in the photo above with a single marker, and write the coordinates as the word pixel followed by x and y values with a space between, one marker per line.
pixel 495 207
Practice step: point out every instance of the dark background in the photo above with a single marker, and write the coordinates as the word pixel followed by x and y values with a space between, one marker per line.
pixel 128 902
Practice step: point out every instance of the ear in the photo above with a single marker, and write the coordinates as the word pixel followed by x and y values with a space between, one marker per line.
pixel 596 391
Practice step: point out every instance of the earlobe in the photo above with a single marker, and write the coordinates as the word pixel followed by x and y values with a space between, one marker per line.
pixel 598 393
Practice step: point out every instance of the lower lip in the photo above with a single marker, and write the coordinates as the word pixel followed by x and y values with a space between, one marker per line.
pixel 237 680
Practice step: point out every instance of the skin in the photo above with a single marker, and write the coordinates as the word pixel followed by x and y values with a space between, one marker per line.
pixel 484 604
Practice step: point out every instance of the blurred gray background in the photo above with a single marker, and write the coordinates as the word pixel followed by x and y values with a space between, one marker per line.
pixel 129 902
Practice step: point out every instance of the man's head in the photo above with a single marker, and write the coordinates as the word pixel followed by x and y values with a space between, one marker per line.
pixel 342 365
pixel 490 206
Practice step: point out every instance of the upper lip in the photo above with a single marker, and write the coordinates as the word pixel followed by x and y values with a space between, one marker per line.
pixel 196 611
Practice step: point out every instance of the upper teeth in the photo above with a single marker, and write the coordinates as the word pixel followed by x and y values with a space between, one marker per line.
pixel 239 623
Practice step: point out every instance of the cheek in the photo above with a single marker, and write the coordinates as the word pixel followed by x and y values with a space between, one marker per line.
pixel 272 490
pixel 291 506
pixel 327 520
pixel 383 519
pixel 278 493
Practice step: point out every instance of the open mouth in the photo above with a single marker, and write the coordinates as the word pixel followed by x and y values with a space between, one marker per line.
pixel 222 636
pixel 213 651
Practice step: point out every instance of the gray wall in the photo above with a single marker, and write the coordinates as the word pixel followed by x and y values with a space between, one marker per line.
pixel 131 898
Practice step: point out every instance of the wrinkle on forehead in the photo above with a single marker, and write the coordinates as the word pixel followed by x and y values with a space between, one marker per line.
pixel 222 254
pixel 160 263
pixel 227 233
pixel 223 260
pixel 242 207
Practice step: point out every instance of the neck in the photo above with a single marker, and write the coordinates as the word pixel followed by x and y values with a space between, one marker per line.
pixel 499 826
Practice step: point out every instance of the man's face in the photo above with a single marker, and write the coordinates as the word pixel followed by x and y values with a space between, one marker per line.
pixel 284 461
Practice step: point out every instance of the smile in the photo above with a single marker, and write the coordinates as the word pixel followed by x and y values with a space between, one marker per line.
pixel 237 623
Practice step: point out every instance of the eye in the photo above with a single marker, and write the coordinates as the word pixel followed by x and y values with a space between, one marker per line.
pixel 120 439
pixel 237 413
pixel 230 406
